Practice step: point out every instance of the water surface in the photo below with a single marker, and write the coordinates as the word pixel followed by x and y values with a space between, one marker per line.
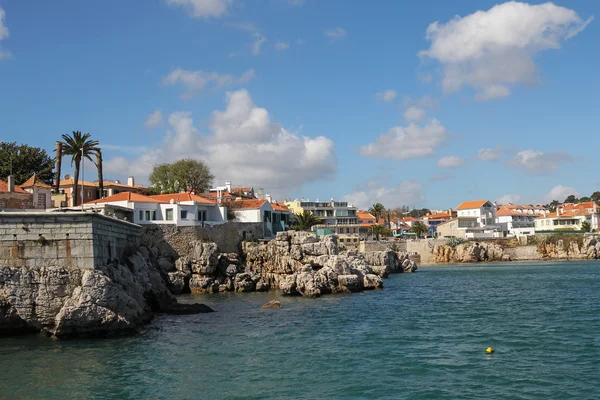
pixel 422 337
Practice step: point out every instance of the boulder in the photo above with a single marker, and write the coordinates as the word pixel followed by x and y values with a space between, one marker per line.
pixel 272 304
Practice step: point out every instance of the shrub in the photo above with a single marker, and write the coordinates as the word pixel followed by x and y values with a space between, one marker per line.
pixel 454 241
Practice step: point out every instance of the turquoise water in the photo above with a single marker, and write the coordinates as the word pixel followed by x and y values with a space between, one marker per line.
pixel 422 337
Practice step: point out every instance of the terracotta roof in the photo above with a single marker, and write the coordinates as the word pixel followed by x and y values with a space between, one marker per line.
pixel 438 216
pixel 107 184
pixel 4 188
pixel 466 205
pixel 178 197
pixel 126 196
pixel 367 225
pixel 409 219
pixel 365 215
pixel 248 204
pixel 214 195
pixel 34 181
pixel 241 189
pixel 280 207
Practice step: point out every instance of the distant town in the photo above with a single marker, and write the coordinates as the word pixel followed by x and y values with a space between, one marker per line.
pixel 203 205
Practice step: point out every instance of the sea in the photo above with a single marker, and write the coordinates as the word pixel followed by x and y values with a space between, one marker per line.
pixel 422 337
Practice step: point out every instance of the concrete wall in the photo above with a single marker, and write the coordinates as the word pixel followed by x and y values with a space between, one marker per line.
pixel 523 253
pixel 72 240
pixel 227 236
pixel 424 248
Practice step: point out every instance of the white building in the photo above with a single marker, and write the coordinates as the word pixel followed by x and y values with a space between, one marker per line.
pixel 516 220
pixel 40 191
pixel 180 209
pixel 483 211
pixel 569 217
pixel 275 217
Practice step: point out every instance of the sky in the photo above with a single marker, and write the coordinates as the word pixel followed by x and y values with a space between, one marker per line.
pixel 423 104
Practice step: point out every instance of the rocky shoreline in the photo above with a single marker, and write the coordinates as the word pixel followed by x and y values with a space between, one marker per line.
pixel 552 247
pixel 296 263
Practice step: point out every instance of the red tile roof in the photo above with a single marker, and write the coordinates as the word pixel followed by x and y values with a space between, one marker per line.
pixel 280 207
pixel 364 215
pixel 248 204
pixel 4 188
pixel 126 196
pixel 34 181
pixel 179 197
pixel 441 215
pixel 466 205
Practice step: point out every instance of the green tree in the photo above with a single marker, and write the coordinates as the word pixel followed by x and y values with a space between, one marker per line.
pixel 304 221
pixel 416 213
pixel 377 210
pixel 181 176
pixel 378 230
pixel 595 196
pixel 585 226
pixel 22 161
pixel 584 199
pixel 78 146
pixel 419 228
pixel 571 199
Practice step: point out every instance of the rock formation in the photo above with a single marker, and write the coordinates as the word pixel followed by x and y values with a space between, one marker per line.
pixel 110 300
pixel 469 252
pixel 297 263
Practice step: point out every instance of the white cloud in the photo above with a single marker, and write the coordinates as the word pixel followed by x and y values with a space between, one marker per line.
pixel 280 46
pixel 4 55
pixel 259 39
pixel 450 162
pixel 422 102
pixel 300 41
pixel 425 77
pixel 203 8
pixel 244 146
pixel 414 114
pixel 404 143
pixel 387 96
pixel 509 199
pixel 406 193
pixel 560 193
pixel 440 177
pixel 154 120
pixel 489 154
pixel 335 33
pixel 495 49
pixel 197 81
pixel 3 28
pixel 538 162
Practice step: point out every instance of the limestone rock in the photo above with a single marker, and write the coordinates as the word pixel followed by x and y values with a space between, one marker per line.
pixel 272 304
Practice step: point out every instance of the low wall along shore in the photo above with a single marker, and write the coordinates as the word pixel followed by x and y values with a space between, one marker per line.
pixel 73 240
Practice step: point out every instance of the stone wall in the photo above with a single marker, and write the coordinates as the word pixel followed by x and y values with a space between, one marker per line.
pixel 523 253
pixel 70 240
pixel 424 247
pixel 381 245
pixel 228 237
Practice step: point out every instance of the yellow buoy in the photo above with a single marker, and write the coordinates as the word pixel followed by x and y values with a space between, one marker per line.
pixel 489 350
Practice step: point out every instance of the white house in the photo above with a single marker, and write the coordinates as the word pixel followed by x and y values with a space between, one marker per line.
pixel 181 209
pixel 516 220
pixel 273 216
pixel 483 211
pixel 569 217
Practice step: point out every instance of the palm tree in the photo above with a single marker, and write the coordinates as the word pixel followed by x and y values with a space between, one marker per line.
pixel 378 230
pixel 377 210
pixel 78 145
pixel 304 221
pixel 419 228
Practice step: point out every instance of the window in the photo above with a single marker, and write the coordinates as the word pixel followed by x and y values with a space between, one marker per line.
pixel 183 214
pixel 41 201
pixel 153 215
pixel 169 214
pixel 148 215
pixel 2 203
pixel 141 215
pixel 89 194
pixel 347 230
pixel 202 215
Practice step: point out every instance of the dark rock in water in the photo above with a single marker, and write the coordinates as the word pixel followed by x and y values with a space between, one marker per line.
pixel 181 309
pixel 272 304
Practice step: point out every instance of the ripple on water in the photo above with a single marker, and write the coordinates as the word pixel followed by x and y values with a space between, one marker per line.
pixel 423 337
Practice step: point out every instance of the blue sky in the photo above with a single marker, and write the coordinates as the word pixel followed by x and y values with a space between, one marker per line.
pixel 366 101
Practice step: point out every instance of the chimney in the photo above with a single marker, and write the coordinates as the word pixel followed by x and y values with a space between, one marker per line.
pixel 228 186
pixel 269 198
pixel 130 181
pixel 11 183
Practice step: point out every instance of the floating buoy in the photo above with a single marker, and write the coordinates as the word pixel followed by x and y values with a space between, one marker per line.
pixel 489 350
